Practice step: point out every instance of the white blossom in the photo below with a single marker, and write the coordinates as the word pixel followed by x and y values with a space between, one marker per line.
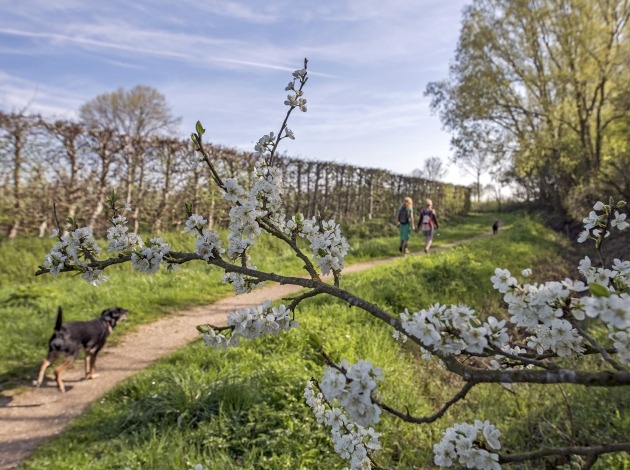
pixel 120 239
pixel 207 244
pixel 351 441
pixel 591 221
pixel 461 444
pixel 148 259
pixel 214 340
pixel 195 222
pixel 94 276
pixel 76 249
pixel 583 236
pixel 502 280
pixel 619 221
pixel 252 322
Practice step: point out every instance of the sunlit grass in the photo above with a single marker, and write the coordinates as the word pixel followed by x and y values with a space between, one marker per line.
pixel 243 407
pixel 28 304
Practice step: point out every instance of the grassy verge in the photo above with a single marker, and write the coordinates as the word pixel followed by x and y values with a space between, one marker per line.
pixel 28 304
pixel 243 407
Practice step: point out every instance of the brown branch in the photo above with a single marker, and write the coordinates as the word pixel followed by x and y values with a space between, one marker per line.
pixel 468 373
pixel 272 154
pixel 597 346
pixel 296 300
pixel 589 451
pixel 215 176
pixel 308 265
pixel 523 359
pixel 59 230
pixel 434 417
pixel 95 264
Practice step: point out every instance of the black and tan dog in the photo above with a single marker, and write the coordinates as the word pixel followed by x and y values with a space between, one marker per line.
pixel 69 338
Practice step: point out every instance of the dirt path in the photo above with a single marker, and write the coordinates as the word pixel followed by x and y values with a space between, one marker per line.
pixel 29 418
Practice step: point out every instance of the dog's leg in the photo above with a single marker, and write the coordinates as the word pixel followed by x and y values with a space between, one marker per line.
pixel 90 373
pixel 59 370
pixel 87 364
pixel 42 371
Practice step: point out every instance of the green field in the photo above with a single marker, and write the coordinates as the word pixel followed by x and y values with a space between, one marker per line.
pixel 28 304
pixel 243 407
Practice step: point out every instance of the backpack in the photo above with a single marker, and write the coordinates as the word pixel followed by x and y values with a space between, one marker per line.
pixel 403 215
pixel 426 221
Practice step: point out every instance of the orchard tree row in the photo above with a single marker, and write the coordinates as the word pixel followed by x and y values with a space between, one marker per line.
pixel 124 141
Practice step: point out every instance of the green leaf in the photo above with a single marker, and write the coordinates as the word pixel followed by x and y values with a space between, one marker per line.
pixel 199 128
pixel 203 328
pixel 598 290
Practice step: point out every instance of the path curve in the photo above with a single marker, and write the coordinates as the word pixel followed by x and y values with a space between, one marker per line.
pixel 31 417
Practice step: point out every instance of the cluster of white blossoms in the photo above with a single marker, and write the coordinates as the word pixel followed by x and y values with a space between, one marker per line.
pixel 353 389
pixel 540 308
pixel 468 445
pixel 120 239
pixel 595 225
pixel 250 323
pixel 351 440
pixel 75 249
pixel 615 279
pixel 265 143
pixel 143 258
pixel 295 99
pixel 328 246
pixel 208 242
pixel 149 258
pixel 454 329
pixel 263 199
pixel 94 276
pixel 548 310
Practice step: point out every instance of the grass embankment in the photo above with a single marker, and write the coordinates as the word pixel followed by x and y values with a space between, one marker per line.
pixel 243 407
pixel 28 304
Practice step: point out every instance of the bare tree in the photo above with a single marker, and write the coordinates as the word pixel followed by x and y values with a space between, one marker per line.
pixel 72 138
pixel 105 146
pixel 136 114
pixel 16 129
pixel 433 169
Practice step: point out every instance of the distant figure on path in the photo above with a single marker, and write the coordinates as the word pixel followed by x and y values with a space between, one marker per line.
pixel 495 227
pixel 405 224
pixel 428 223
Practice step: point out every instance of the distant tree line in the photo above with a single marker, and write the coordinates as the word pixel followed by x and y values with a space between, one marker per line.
pixel 75 165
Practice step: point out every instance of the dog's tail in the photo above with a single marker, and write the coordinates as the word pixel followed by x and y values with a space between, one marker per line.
pixel 59 319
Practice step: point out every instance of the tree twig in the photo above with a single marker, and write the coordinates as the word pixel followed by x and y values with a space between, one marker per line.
pixel 434 417
pixel 589 451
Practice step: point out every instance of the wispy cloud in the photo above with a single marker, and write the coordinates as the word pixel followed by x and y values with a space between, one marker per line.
pixel 227 62
pixel 18 94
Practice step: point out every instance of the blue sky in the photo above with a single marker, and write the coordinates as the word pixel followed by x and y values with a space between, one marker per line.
pixel 227 62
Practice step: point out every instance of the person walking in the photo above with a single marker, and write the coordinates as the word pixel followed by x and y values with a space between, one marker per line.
pixel 405 224
pixel 428 224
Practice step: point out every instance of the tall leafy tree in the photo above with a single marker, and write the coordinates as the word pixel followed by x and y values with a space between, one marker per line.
pixel 543 75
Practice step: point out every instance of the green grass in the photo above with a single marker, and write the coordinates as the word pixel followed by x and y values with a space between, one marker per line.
pixel 243 407
pixel 454 230
pixel 28 304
